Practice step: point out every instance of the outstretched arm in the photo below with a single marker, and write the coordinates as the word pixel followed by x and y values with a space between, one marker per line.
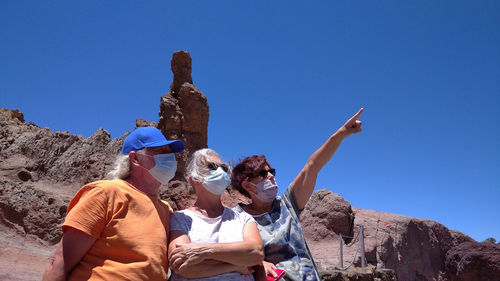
pixel 183 255
pixel 304 183
pixel 73 246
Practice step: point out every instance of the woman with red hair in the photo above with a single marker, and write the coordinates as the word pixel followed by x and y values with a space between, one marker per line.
pixel 277 217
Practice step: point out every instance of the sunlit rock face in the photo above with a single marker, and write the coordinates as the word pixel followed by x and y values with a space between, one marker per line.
pixel 40 170
pixel 473 261
pixel 184 111
pixel 416 249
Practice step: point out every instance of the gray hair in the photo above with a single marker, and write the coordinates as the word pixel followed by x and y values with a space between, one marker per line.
pixel 121 167
pixel 196 164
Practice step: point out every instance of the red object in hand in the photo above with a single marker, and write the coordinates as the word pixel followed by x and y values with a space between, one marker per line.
pixel 281 274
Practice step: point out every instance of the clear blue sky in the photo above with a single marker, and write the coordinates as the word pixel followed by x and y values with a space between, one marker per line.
pixel 280 77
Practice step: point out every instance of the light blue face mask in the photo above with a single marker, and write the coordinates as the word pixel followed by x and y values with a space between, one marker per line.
pixel 216 181
pixel 266 190
pixel 165 167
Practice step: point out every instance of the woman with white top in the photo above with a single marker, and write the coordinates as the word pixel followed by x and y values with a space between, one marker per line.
pixel 208 241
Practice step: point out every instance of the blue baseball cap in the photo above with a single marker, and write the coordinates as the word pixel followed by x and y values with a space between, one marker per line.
pixel 149 137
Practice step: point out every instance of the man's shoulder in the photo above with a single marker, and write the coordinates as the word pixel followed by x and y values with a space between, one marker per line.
pixel 101 187
pixel 111 184
pixel 119 186
pixel 108 185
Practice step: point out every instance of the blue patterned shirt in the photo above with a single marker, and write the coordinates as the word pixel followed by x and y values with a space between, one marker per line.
pixel 284 242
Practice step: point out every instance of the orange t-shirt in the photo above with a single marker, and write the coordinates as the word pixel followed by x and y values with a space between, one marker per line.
pixel 131 229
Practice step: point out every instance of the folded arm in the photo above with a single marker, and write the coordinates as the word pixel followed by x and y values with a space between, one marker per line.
pixel 184 255
pixel 210 268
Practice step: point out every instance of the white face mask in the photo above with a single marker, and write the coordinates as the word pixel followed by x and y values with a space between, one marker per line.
pixel 266 190
pixel 165 167
pixel 216 181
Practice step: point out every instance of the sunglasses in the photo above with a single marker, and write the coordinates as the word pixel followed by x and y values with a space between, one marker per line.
pixel 215 166
pixel 263 173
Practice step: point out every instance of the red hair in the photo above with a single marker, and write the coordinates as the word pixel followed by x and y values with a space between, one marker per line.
pixel 246 169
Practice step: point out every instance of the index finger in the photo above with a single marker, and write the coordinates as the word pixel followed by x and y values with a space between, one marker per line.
pixel 176 251
pixel 356 116
pixel 174 263
pixel 272 272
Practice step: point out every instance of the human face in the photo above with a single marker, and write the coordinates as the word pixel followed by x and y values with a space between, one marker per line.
pixel 264 174
pixel 213 163
pixel 215 179
pixel 149 162
pixel 214 166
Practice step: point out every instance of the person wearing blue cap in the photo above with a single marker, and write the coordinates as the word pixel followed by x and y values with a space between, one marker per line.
pixel 117 229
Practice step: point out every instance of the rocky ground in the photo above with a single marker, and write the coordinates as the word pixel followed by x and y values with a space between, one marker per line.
pixel 359 274
pixel 40 170
pixel 22 258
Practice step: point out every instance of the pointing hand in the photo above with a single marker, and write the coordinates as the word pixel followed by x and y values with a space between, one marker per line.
pixel 352 126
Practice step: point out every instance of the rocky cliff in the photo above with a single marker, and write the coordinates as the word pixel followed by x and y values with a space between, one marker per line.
pixel 416 249
pixel 40 170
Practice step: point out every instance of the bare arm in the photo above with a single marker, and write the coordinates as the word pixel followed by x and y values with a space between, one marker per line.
pixel 209 268
pixel 246 253
pixel 197 268
pixel 303 184
pixel 72 248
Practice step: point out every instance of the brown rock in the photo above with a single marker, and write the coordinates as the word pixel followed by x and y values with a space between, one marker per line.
pixel 473 261
pixel 231 198
pixel 40 170
pixel 326 216
pixel 369 273
pixel 16 114
pixel 181 68
pixel 178 195
pixel 415 248
pixel 184 112
pixel 30 153
pixel 32 212
pixel 21 259
pixel 139 122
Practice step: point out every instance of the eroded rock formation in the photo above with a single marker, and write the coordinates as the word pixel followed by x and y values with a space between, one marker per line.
pixel 184 111
pixel 326 216
pixel 40 171
pixel 30 153
pixel 416 249
pixel 473 261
